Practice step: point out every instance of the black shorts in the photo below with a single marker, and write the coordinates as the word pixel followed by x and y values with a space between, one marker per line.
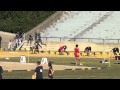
pixel 39 77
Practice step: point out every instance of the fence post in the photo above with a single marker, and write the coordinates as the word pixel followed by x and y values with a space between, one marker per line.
pixel 60 38
pixel 74 39
pixel 104 41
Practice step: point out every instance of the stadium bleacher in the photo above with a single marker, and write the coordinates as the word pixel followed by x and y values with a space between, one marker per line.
pixel 72 23
pixel 108 29
pixel 99 25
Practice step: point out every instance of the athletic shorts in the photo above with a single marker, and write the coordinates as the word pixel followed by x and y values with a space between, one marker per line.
pixel 39 77
pixel 77 55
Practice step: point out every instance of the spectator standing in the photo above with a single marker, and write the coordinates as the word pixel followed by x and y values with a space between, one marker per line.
pixel 39 39
pixel 10 45
pixel 30 39
pixel 35 36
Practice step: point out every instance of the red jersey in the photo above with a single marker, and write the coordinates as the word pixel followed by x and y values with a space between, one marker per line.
pixel 62 47
pixel 76 50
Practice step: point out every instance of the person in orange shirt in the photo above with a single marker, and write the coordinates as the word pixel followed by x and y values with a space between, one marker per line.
pixel 77 54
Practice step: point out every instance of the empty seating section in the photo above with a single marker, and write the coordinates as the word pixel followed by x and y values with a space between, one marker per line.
pixel 72 23
pixel 108 29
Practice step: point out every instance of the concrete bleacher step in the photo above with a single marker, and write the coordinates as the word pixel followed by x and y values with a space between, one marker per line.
pixel 53 46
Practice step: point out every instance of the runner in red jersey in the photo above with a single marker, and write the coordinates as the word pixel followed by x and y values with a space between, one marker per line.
pixel 77 54
pixel 62 49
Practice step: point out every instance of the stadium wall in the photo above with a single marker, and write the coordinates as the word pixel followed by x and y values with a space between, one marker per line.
pixel 6 37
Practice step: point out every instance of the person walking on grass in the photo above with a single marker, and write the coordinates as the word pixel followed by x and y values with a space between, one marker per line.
pixel 77 55
pixel 39 71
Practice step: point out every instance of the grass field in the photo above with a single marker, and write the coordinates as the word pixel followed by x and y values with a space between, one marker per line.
pixel 112 72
